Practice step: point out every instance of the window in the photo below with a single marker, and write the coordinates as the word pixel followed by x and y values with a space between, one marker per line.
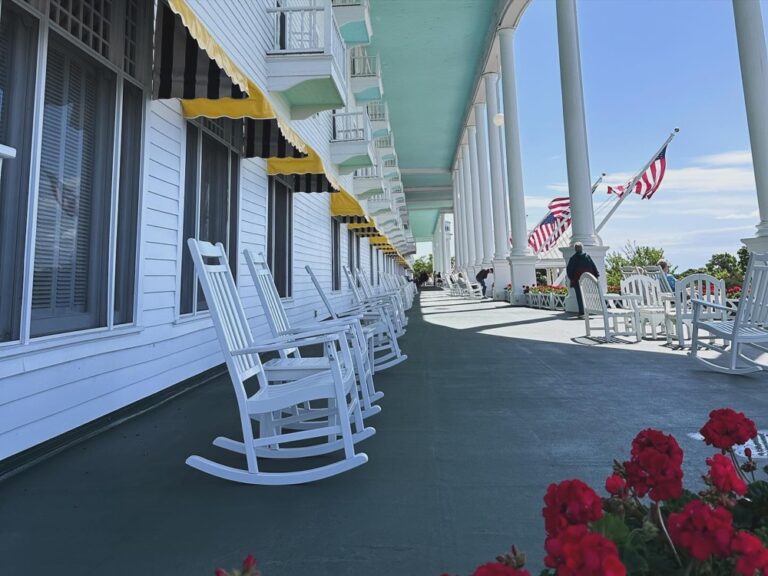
pixel 352 248
pixel 280 235
pixel 81 273
pixel 210 199
pixel 378 269
pixel 335 254
pixel 18 41
pixel 370 262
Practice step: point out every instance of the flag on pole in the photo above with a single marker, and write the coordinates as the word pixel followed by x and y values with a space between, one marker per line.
pixel 544 236
pixel 649 181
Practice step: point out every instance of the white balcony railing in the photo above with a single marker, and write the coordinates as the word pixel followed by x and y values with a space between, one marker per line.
pixel 307 26
pixel 364 66
pixel 368 172
pixel 377 111
pixel 351 126
pixel 390 163
pixel 350 2
pixel 384 142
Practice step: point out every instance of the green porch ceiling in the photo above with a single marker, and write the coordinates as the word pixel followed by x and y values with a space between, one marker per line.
pixel 422 223
pixel 431 52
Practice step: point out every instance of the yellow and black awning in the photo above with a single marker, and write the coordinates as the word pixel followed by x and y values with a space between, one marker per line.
pixel 191 66
pixel 345 207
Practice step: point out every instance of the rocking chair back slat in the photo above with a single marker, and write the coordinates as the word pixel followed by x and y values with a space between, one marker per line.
pixel 753 305
pixel 645 287
pixel 228 315
pixel 321 292
pixel 591 294
pixel 353 284
pixel 270 298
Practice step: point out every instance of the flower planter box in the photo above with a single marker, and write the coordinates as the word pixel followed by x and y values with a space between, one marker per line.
pixel 545 301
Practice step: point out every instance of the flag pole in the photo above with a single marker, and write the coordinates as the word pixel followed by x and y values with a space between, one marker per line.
pixel 562 227
pixel 630 188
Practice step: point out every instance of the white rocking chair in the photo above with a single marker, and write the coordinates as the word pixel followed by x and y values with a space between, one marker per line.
pixel 649 303
pixel 267 406
pixel 749 328
pixel 687 290
pixel 624 321
pixel 291 362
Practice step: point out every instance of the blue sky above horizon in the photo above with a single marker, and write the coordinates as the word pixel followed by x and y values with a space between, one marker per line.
pixel 648 66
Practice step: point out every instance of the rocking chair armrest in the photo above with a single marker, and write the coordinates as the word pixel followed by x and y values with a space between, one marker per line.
pixel 705 304
pixel 287 343
pixel 326 326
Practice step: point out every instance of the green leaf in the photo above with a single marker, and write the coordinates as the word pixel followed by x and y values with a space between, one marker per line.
pixel 612 527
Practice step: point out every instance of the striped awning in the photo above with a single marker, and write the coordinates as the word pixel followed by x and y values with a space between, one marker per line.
pixel 264 139
pixel 352 219
pixel 182 69
pixel 344 204
pixel 190 65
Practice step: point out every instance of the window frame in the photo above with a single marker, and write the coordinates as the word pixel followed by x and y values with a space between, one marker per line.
pixel 335 255
pixel 40 9
pixel 289 190
pixel 233 207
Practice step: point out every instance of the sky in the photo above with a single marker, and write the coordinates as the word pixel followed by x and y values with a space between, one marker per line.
pixel 648 66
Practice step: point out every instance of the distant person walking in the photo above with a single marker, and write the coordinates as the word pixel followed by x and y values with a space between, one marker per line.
pixel 481 276
pixel 580 263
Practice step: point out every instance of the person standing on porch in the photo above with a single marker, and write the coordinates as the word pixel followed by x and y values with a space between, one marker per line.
pixel 481 276
pixel 580 263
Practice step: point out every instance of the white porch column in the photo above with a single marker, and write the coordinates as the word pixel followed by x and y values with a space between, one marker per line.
pixel 447 239
pixel 754 77
pixel 455 206
pixel 576 151
pixel 469 209
pixel 522 262
pixel 575 124
pixel 477 220
pixel 463 216
pixel 484 173
pixel 501 272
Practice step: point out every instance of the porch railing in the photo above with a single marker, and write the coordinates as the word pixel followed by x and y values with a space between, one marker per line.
pixel 350 2
pixel 368 172
pixel 384 142
pixel 377 111
pixel 349 126
pixel 364 66
pixel 307 26
pixel 390 163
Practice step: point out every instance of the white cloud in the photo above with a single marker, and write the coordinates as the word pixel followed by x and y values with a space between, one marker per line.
pixel 559 187
pixel 736 157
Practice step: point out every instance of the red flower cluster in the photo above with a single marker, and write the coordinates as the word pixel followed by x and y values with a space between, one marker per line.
pixel 569 503
pixel 577 552
pixel 724 476
pixel 702 531
pixel 499 569
pixel 753 555
pixel 616 485
pixel 726 427
pixel 655 467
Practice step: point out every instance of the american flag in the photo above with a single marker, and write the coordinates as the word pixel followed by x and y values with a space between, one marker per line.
pixel 650 181
pixel 557 220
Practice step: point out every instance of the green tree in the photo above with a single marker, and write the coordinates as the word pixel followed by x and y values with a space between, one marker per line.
pixel 743 256
pixel 423 264
pixel 724 266
pixel 631 255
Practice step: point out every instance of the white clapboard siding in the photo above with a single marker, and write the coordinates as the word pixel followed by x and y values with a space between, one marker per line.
pixel 48 388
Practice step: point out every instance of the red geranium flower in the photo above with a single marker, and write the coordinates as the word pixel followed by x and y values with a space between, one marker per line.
pixel 656 466
pixel 726 427
pixel 615 485
pixel 577 552
pixel 724 476
pixel 702 531
pixel 753 556
pixel 568 503
pixel 499 569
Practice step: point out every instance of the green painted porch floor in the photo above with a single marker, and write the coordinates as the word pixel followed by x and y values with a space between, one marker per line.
pixel 493 405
